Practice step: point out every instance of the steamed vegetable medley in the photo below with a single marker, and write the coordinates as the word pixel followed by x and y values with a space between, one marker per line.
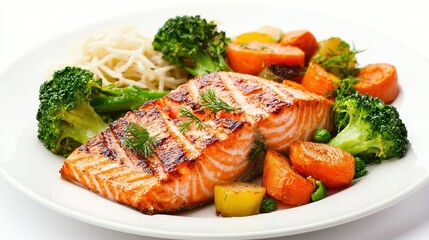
pixel 367 129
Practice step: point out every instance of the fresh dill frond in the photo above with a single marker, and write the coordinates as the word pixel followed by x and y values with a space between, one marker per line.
pixel 341 61
pixel 342 64
pixel 190 119
pixel 138 139
pixel 343 45
pixel 185 126
pixel 258 148
pixel 209 100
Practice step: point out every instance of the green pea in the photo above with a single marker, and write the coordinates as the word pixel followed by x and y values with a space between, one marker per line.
pixel 322 136
pixel 268 205
pixel 319 192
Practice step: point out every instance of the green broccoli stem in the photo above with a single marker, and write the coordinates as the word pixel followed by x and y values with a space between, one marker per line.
pixel 83 123
pixel 224 65
pixel 205 64
pixel 354 138
pixel 117 99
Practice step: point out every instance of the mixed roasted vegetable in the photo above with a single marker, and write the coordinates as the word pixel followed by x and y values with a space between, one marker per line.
pixel 368 129
pixel 74 107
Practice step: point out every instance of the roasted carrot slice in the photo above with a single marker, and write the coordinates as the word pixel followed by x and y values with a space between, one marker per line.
pixel 293 84
pixel 378 80
pixel 251 58
pixel 303 39
pixel 331 165
pixel 316 79
pixel 282 182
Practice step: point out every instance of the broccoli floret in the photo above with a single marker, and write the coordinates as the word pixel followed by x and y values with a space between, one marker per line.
pixel 75 107
pixel 194 44
pixel 369 128
pixel 66 118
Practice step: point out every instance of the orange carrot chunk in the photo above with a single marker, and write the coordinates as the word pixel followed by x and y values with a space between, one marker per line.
pixel 282 182
pixel 317 80
pixel 251 58
pixel 303 39
pixel 378 80
pixel 331 165
pixel 293 84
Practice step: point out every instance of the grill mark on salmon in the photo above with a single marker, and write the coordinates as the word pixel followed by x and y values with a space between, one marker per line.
pixel 186 166
pixel 114 139
pixel 182 96
pixel 253 112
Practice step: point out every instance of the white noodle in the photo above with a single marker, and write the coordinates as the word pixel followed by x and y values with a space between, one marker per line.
pixel 122 56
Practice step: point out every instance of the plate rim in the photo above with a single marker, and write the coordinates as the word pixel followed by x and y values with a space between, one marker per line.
pixel 103 223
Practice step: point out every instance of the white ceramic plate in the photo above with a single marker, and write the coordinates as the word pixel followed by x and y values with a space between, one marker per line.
pixel 34 170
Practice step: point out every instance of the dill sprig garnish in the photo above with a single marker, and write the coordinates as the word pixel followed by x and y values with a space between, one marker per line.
pixel 341 64
pixel 258 147
pixel 139 140
pixel 190 119
pixel 209 100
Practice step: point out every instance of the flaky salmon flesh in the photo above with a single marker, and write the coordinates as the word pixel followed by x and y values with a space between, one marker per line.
pixel 186 165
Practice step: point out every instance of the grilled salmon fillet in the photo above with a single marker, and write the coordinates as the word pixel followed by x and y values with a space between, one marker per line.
pixel 187 165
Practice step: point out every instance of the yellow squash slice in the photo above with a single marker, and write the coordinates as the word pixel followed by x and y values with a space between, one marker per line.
pixel 238 199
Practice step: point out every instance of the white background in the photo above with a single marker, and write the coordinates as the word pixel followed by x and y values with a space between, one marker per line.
pixel 25 24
